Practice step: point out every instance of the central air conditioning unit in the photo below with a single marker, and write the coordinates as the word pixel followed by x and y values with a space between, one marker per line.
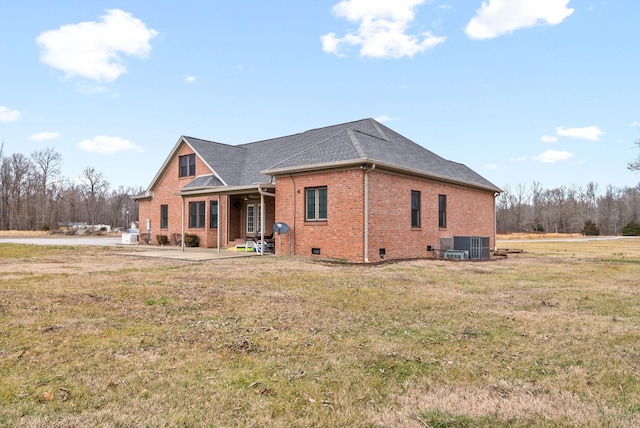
pixel 456 254
pixel 477 247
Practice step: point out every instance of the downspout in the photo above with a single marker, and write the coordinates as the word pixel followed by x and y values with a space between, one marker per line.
pixel 218 225
pixel 182 221
pixel 294 217
pixel 366 211
pixel 263 212
pixel 495 222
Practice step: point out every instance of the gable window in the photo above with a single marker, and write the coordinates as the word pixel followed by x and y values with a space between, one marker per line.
pixel 213 215
pixel 187 165
pixel 196 215
pixel 442 211
pixel 164 216
pixel 316 204
pixel 415 208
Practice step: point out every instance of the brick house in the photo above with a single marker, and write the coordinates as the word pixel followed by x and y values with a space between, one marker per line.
pixel 356 191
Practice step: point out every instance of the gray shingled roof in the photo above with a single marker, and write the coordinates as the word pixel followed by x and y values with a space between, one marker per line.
pixel 363 140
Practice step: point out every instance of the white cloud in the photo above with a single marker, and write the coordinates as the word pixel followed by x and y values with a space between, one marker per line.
pixel 491 166
pixel 92 49
pixel 591 133
pixel 189 79
pixel 498 17
pixel 552 156
pixel 384 118
pixel 108 145
pixel 549 139
pixel 520 159
pixel 8 115
pixel 44 136
pixel 87 89
pixel 382 30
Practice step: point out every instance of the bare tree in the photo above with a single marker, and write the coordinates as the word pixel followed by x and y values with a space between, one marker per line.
pixel 47 162
pixel 635 165
pixel 94 188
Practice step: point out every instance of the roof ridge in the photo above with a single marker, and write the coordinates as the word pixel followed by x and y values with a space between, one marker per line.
pixel 187 137
pixel 346 124
pixel 376 125
pixel 356 143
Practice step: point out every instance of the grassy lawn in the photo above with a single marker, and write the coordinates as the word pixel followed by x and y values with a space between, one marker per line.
pixel 549 337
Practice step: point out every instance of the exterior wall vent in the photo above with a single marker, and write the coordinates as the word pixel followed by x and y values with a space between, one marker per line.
pixel 315 251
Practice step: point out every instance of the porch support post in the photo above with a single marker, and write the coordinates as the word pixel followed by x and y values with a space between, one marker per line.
pixel 263 212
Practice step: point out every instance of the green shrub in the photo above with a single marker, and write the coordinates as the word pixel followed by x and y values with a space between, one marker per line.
pixel 45 228
pixel 631 229
pixel 162 239
pixel 191 240
pixel 590 229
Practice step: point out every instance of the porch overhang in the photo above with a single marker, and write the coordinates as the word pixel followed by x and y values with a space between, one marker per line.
pixel 226 190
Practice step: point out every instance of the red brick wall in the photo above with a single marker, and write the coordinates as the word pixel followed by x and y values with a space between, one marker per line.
pixel 469 212
pixel 342 235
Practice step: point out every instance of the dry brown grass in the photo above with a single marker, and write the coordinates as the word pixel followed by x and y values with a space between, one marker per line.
pixel 548 337
pixel 512 236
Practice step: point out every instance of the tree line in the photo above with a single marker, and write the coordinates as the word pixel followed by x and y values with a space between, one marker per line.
pixel 35 196
pixel 570 209
pixel 566 209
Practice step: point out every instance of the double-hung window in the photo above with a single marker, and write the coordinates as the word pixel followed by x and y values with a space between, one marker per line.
pixel 415 208
pixel 316 204
pixel 196 215
pixel 442 211
pixel 164 216
pixel 213 215
pixel 187 165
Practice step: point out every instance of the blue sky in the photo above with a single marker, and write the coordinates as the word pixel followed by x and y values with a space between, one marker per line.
pixel 518 90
